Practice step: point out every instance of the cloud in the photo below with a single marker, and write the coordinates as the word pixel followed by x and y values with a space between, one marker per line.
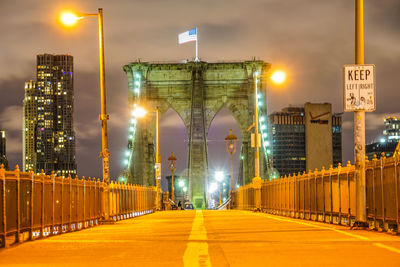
pixel 11 118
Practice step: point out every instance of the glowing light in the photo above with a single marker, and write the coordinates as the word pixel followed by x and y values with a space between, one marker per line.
pixel 278 77
pixel 131 136
pixel 185 189
pixel 262 119
pixel 268 151
pixel 127 153
pixel 383 140
pixel 133 121
pixel 137 83
pixel 219 176
pixel 241 157
pixel 131 129
pixel 263 127
pixel 213 187
pixel 69 19
pixel 137 90
pixel 259 95
pixel 137 75
pixel 265 135
pixel 181 183
pixel 266 143
pixel 126 162
pixel 256 73
pixel 139 112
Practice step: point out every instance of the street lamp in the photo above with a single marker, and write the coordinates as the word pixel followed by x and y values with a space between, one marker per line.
pixel 231 149
pixel 140 112
pixel 69 19
pixel 277 77
pixel 172 168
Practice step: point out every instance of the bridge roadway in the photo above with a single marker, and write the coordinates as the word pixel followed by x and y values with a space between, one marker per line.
pixel 210 238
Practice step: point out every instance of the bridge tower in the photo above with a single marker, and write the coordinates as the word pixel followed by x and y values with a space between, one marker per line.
pixel 196 91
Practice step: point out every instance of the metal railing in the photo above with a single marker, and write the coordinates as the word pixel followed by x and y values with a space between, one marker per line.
pixel 38 205
pixel 330 195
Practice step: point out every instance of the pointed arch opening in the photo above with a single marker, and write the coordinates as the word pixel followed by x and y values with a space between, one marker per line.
pixel 174 138
pixel 218 157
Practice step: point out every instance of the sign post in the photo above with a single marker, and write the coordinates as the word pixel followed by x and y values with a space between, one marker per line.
pixel 359 96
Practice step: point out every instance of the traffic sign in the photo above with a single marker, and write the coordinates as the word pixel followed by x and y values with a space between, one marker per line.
pixel 359 87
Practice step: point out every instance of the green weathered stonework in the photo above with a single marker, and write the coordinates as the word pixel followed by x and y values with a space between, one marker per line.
pixel 196 91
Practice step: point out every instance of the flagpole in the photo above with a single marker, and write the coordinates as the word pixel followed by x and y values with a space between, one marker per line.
pixel 197 47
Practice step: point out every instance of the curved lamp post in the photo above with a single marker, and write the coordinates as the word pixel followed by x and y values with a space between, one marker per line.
pixel 231 149
pixel 140 112
pixel 69 19
pixel 278 77
pixel 172 168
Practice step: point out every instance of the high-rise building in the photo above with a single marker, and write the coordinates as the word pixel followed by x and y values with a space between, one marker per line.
pixel 3 158
pixel 49 137
pixel 386 144
pixel 305 138
pixel 29 127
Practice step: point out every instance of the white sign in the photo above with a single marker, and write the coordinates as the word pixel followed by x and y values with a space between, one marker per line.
pixel 158 170
pixel 359 87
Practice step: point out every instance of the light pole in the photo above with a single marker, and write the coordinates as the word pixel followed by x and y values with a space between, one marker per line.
pixel 277 77
pixel 231 149
pixel 172 168
pixel 70 19
pixel 140 112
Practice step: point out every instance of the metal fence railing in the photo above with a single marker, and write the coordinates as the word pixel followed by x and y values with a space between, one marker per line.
pixel 39 205
pixel 330 195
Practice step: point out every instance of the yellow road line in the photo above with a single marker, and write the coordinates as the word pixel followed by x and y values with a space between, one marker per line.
pixel 196 253
pixel 392 249
pixel 387 247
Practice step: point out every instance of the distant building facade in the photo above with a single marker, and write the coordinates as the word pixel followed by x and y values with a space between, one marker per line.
pixel 305 138
pixel 3 157
pixel 387 144
pixel 49 137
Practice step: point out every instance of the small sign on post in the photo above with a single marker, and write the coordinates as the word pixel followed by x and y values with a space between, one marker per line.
pixel 359 87
pixel 158 171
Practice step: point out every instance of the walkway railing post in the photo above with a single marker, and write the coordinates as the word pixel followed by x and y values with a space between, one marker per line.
pixel 3 177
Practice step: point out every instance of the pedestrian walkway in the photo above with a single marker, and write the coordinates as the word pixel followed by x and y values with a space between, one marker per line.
pixel 210 238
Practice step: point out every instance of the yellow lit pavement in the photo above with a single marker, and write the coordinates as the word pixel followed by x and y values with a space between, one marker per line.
pixel 210 238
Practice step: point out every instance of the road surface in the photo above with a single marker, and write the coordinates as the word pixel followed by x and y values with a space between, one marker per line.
pixel 210 238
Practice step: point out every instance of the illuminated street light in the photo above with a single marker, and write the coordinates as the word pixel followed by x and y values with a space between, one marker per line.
pixel 219 176
pixel 278 77
pixel 231 149
pixel 213 187
pixel 69 19
pixel 140 112
pixel 172 168
pixel 181 183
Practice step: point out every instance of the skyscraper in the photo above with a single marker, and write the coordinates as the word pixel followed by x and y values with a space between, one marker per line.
pixel 305 138
pixel 388 142
pixel 49 137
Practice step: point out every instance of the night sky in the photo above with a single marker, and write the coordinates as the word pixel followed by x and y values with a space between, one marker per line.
pixel 310 39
